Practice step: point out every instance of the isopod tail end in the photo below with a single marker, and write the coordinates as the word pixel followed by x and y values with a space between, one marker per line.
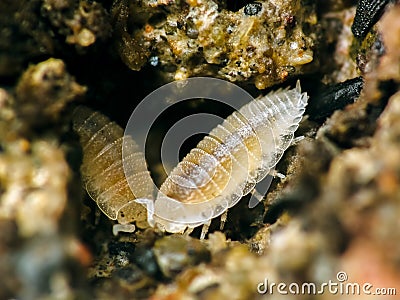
pixel 149 205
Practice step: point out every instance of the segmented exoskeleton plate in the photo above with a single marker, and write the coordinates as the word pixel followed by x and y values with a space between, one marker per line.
pixel 228 163
pixel 102 167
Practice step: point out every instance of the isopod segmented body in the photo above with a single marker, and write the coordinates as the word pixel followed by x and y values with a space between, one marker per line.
pixel 229 162
pixel 102 167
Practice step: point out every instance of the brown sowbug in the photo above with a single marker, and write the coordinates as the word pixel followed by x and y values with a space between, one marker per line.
pixel 102 168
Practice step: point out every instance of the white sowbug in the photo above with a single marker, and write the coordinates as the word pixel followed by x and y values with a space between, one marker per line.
pixel 228 163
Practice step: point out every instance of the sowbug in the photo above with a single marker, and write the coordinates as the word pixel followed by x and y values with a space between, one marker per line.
pixel 102 168
pixel 227 164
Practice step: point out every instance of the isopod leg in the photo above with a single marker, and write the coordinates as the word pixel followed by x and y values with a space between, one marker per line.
pixel 224 217
pixel 261 189
pixel 297 139
pixel 275 173
pixel 188 231
pixel 204 230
